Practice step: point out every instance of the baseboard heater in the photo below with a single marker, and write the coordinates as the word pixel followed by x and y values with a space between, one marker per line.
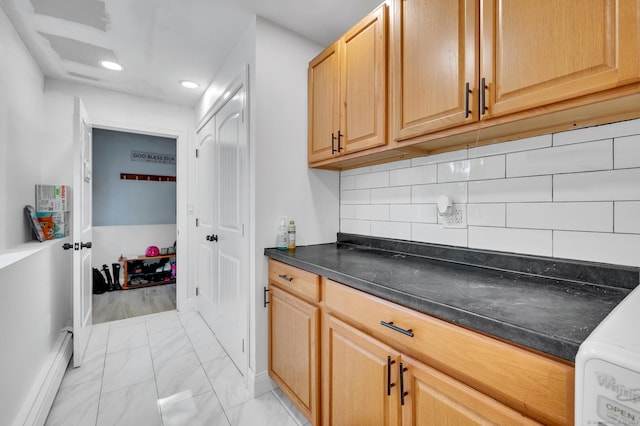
pixel 40 399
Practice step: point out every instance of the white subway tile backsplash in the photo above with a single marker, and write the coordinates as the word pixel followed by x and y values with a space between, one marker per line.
pixel 397 230
pixel 425 213
pixel 542 141
pixel 511 190
pixel 627 217
pixel 573 194
pixel 605 131
pixel 474 169
pixel 372 212
pixel 613 185
pixel 393 195
pixel 436 234
pixel 351 226
pixel 621 249
pixel 486 214
pixel 526 241
pixel 563 159
pixel 347 211
pixel 457 192
pixel 414 175
pixel 358 171
pixel 627 152
pixel 440 158
pixel 356 196
pixel 372 180
pixel 597 217
pixel 347 183
pixel 391 166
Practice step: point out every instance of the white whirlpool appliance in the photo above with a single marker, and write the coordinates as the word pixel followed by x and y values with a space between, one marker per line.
pixel 608 369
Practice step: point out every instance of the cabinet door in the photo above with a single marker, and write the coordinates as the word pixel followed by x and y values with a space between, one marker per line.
pixel 434 399
pixel 294 349
pixel 355 371
pixel 434 56
pixel 324 103
pixel 537 52
pixel 364 83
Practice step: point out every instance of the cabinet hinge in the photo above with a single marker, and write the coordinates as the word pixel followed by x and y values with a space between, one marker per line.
pixel 197 153
pixel 197 291
pixel 197 222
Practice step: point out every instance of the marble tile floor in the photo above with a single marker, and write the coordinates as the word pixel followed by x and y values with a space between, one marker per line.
pixel 117 305
pixel 162 369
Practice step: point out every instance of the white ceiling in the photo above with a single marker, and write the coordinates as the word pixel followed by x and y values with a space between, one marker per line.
pixel 161 42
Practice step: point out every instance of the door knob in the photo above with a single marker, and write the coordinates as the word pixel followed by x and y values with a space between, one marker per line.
pixel 67 246
pixel 85 245
pixel 214 237
pixel 208 238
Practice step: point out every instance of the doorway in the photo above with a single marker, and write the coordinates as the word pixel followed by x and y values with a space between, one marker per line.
pixel 134 223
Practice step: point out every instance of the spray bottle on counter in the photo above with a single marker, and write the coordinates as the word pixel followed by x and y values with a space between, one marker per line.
pixel 282 241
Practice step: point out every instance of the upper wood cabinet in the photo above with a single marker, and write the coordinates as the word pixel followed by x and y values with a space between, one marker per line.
pixel 460 62
pixel 538 52
pixel 348 91
pixel 434 65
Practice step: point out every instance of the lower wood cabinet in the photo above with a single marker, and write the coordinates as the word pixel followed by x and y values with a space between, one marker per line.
pixel 359 375
pixel 294 362
pixel 344 357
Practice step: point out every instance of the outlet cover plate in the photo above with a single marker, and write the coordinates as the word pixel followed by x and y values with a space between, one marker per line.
pixel 457 218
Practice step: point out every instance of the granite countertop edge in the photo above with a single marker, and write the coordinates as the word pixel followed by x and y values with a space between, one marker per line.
pixel 553 345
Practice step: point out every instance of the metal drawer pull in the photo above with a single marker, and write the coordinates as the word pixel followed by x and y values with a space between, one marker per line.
pixel 389 384
pixel 284 277
pixel 402 392
pixel 389 324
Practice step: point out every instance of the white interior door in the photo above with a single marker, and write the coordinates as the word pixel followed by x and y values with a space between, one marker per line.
pixel 82 275
pixel 222 299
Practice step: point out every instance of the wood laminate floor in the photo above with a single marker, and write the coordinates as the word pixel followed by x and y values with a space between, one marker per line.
pixel 117 305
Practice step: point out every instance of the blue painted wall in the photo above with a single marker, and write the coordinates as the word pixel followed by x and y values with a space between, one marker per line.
pixel 130 202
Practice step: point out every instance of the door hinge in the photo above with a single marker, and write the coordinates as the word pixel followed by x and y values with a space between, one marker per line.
pixel 197 291
pixel 243 229
pixel 242 345
pixel 197 153
pixel 197 222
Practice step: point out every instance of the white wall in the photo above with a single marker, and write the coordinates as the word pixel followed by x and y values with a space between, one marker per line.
pixel 280 182
pixel 35 297
pixel 284 185
pixel 21 135
pixel 117 111
pixel 110 242
pixel 572 195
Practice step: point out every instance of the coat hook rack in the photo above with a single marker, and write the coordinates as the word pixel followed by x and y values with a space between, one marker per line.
pixel 150 178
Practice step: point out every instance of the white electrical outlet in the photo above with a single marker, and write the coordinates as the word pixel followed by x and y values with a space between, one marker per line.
pixel 457 218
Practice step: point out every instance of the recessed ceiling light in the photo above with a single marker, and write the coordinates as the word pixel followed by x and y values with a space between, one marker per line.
pixel 189 84
pixel 113 66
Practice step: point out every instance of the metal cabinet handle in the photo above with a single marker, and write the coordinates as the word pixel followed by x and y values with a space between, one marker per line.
pixel 284 277
pixel 402 392
pixel 483 104
pixel 389 324
pixel 389 384
pixel 466 100
pixel 340 135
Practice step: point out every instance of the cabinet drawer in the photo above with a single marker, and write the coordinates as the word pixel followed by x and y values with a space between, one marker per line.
pixel 539 387
pixel 295 280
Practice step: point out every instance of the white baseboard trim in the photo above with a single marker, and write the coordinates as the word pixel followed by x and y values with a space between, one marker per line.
pixel 36 406
pixel 259 384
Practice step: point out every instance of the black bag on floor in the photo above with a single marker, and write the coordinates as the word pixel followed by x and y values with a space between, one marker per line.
pixel 99 283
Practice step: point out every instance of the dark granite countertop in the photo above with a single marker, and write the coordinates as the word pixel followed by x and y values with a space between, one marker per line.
pixel 544 304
